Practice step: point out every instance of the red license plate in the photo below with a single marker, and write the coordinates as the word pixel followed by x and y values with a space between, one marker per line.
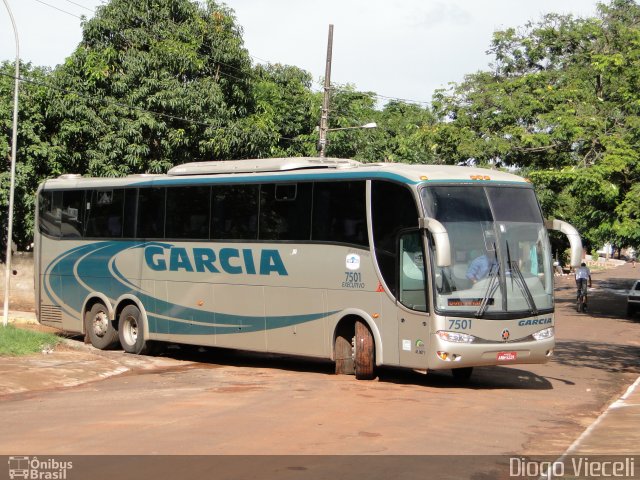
pixel 506 356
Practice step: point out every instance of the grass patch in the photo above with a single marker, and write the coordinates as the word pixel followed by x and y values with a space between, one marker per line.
pixel 17 341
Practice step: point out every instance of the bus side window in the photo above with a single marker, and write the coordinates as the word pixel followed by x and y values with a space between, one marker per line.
pixel 188 212
pixel 104 213
pixel 393 209
pixel 150 222
pixel 234 212
pixel 339 212
pixel 72 212
pixel 285 212
pixel 412 279
pixel 50 213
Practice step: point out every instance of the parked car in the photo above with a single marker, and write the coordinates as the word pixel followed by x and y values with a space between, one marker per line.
pixel 633 299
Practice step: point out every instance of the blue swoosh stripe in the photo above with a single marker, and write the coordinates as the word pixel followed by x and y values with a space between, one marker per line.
pixel 92 263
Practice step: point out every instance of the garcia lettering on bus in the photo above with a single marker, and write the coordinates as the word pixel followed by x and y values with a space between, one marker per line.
pixel 535 321
pixel 233 261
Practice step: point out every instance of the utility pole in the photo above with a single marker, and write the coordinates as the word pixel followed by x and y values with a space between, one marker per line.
pixel 14 147
pixel 324 119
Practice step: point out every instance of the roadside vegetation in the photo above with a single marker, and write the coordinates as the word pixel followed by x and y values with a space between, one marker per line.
pixel 16 341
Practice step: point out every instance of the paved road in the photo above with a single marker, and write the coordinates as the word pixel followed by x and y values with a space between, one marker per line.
pixel 222 402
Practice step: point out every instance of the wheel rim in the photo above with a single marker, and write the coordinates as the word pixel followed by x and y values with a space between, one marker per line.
pixel 131 331
pixel 100 324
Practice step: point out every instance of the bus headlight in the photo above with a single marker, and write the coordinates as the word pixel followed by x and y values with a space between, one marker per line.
pixel 544 334
pixel 455 337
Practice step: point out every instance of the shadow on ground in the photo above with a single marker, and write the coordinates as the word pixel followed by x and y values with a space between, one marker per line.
pixel 482 378
pixel 601 356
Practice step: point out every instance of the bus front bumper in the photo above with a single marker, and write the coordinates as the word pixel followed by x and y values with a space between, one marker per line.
pixel 448 355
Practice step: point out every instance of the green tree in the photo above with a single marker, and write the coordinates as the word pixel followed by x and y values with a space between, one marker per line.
pixel 287 108
pixel 152 84
pixel 561 104
pixel 36 159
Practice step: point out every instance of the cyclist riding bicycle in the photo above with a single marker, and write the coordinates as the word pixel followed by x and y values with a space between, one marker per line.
pixel 582 275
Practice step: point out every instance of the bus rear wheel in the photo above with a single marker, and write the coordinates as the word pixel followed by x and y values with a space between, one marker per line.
pixel 343 350
pixel 131 331
pixel 364 352
pixel 99 327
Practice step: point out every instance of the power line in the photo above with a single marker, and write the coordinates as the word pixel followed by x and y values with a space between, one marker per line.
pixel 59 9
pixel 80 5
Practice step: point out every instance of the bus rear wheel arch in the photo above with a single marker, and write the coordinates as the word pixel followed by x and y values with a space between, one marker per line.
pixel 100 329
pixel 132 331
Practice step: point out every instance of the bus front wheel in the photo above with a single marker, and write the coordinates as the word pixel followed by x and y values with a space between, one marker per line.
pixel 364 354
pixel 131 331
pixel 99 327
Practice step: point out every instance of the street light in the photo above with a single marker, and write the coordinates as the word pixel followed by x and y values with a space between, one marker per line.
pixel 14 147
pixel 322 144
pixel 366 125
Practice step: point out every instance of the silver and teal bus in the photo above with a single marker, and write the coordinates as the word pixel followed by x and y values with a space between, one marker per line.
pixel 420 266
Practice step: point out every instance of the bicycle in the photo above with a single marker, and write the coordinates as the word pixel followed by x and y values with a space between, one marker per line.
pixel 581 302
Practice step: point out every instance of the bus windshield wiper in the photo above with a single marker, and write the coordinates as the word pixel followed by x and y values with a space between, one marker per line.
pixel 516 275
pixel 494 275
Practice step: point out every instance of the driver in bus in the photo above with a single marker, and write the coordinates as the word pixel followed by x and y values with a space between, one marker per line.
pixel 479 266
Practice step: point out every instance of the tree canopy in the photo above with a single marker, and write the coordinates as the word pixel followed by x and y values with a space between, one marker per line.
pixel 561 105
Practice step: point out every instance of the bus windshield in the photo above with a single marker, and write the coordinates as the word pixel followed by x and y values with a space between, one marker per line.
pixel 500 253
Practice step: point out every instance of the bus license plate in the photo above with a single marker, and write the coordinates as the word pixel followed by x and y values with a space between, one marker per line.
pixel 506 356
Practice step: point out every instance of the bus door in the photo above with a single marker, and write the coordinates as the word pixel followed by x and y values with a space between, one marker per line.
pixel 413 324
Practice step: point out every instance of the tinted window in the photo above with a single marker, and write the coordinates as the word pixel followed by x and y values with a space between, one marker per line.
pixel 104 213
pixel 49 212
pixel 188 212
pixel 285 212
pixel 235 212
pixel 457 204
pixel 392 210
pixel 72 214
pixel 61 213
pixel 151 213
pixel 514 205
pixel 130 212
pixel 339 212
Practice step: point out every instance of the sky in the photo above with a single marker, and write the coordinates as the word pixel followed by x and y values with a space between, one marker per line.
pixel 396 48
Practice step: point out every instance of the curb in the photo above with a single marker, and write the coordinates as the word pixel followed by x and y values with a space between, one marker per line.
pixel 620 402
pixel 22 321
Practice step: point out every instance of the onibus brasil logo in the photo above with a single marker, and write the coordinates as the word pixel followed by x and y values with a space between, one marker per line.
pixel 38 469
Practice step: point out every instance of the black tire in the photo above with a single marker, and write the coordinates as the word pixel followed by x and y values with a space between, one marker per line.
pixel 131 331
pixel 344 356
pixel 100 330
pixel 630 310
pixel 462 374
pixel 365 354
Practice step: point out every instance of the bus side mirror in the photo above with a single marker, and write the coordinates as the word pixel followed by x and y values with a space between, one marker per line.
pixel 440 239
pixel 572 234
